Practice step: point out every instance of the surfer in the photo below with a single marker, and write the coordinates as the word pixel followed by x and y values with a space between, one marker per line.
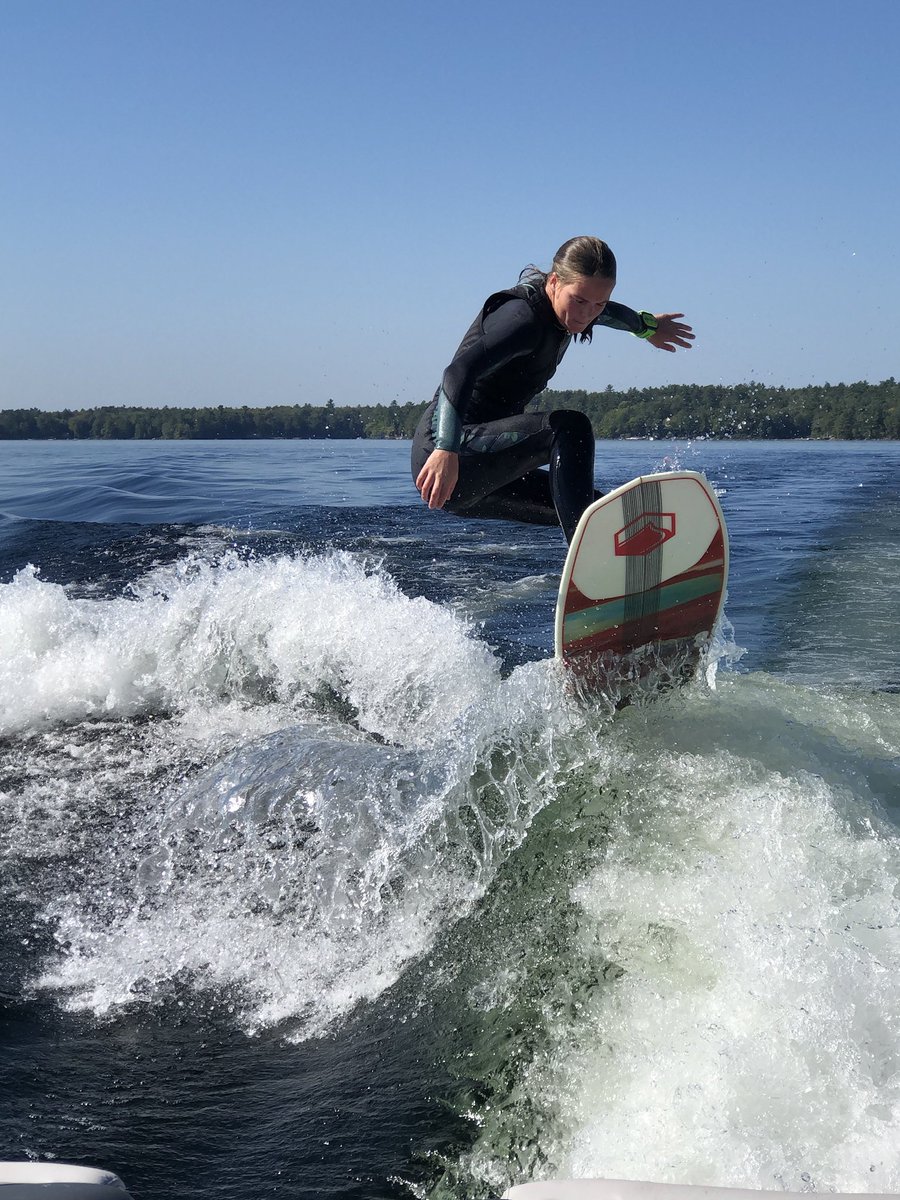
pixel 476 452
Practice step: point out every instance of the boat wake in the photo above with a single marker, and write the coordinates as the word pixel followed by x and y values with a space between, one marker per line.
pixel 656 943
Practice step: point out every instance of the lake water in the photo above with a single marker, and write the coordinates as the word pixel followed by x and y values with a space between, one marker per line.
pixel 315 881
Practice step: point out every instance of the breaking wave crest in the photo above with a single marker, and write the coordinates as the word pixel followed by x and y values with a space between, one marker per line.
pixel 329 774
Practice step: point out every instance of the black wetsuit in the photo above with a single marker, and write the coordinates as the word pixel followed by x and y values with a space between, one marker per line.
pixel 509 354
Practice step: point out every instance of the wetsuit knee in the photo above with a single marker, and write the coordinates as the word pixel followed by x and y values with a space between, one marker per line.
pixel 572 423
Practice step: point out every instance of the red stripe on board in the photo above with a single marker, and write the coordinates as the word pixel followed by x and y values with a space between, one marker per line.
pixel 681 621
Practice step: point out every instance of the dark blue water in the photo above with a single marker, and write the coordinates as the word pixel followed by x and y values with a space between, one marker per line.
pixel 315 881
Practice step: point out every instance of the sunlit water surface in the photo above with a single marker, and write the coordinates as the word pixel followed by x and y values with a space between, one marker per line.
pixel 316 881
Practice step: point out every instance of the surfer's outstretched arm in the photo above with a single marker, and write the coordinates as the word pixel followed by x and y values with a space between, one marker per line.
pixel 671 332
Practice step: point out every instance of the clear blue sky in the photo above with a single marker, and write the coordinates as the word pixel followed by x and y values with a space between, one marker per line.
pixel 272 202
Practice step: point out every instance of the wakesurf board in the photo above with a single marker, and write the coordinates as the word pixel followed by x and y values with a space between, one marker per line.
pixel 643 583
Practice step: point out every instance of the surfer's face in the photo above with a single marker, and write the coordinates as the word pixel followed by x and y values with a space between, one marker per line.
pixel 578 303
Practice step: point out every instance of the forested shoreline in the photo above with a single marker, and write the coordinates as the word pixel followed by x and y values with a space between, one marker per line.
pixel 845 411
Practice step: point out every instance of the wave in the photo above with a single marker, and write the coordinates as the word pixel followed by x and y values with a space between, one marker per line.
pixel 659 942
pixel 313 795
pixel 199 633
pixel 701 988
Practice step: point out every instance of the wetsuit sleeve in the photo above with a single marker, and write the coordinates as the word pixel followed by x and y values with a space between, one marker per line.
pixel 509 332
pixel 620 316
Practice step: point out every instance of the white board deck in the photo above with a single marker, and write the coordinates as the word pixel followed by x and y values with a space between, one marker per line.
pixel 647 567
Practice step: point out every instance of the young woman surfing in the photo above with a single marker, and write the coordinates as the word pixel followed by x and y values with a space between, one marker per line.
pixel 476 452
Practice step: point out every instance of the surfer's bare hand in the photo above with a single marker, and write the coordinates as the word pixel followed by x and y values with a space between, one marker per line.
pixel 438 477
pixel 671 332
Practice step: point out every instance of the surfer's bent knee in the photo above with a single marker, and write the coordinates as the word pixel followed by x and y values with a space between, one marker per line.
pixel 570 420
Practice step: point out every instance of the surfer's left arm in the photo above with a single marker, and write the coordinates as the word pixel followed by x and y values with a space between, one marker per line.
pixel 665 331
pixel 670 333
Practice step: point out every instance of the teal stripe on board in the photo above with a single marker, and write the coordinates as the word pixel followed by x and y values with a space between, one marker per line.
pixel 600 617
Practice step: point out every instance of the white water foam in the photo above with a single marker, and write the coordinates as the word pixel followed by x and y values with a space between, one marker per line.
pixel 201 634
pixel 307 868
pixel 319 794
pixel 748 896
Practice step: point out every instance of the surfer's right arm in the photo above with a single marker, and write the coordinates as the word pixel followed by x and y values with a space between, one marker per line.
pixel 494 340
pixel 438 477
pixel 488 345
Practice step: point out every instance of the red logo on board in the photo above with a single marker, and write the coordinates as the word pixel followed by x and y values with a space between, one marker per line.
pixel 644 534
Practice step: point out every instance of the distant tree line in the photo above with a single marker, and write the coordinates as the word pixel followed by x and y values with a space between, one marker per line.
pixel 845 411
pixel 281 421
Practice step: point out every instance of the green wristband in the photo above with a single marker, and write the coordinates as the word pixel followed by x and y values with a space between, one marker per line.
pixel 650 325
